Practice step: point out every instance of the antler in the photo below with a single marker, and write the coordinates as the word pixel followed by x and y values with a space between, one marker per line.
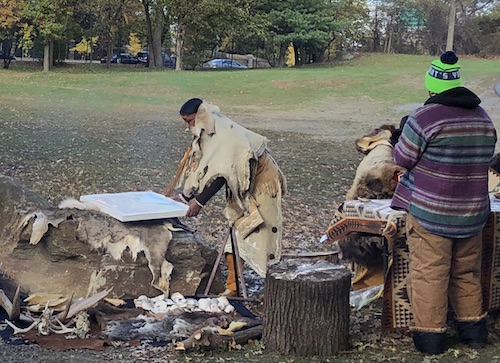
pixel 64 314
pixel 18 330
pixel 83 304
pixel 13 309
pixel 47 323
pixel 61 329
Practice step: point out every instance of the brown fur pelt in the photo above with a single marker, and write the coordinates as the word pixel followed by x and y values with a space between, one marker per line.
pixel 374 179
pixel 365 144
pixel 363 248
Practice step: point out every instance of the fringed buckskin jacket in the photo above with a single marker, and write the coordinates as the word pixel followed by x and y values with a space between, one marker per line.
pixel 254 183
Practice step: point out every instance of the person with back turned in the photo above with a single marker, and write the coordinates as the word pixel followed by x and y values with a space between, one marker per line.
pixel 445 146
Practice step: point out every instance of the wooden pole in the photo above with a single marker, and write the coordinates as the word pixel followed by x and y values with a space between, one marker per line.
pixel 306 308
pixel 451 25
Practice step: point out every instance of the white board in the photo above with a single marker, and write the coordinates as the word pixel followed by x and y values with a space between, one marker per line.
pixel 136 206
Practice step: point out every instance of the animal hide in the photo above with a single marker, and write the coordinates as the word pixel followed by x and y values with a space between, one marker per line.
pixel 375 179
pixel 222 148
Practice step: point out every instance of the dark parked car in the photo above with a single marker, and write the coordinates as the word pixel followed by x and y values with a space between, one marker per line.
pixel 168 61
pixel 114 59
pixel 143 56
pixel 6 56
pixel 223 63
pixel 125 58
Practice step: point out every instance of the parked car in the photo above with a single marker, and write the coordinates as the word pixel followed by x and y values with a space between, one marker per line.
pixel 6 56
pixel 114 59
pixel 223 63
pixel 127 58
pixel 168 60
pixel 143 56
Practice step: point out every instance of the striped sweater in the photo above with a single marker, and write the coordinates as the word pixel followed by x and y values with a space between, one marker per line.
pixel 446 146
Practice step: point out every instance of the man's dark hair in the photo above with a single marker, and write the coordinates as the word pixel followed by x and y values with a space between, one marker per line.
pixel 397 132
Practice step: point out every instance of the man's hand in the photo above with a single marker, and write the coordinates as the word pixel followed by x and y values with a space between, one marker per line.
pixel 194 208
pixel 193 204
pixel 178 198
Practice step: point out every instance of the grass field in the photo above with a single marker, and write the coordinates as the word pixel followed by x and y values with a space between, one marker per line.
pixel 84 129
pixel 92 88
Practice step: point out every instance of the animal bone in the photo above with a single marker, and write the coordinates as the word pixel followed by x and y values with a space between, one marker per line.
pixel 13 309
pixel 61 329
pixel 48 323
pixel 45 324
pixel 82 324
pixel 18 330
pixel 64 314
pixel 84 304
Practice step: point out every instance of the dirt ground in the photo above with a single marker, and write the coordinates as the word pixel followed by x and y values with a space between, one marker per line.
pixel 66 155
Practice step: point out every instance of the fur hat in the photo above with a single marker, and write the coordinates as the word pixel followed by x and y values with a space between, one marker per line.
pixel 444 73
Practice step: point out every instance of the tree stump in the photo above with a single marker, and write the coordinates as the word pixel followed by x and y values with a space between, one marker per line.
pixel 306 308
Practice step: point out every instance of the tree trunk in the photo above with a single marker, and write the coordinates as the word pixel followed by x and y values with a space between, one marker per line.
pixel 51 54
pixel 179 45
pixel 11 51
pixel 451 25
pixel 281 56
pixel 156 44
pixel 109 52
pixel 46 57
pixel 306 308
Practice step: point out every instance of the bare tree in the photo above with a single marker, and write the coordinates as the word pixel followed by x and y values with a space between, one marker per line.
pixel 451 25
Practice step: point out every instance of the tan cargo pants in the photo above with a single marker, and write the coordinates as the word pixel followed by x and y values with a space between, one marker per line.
pixel 443 270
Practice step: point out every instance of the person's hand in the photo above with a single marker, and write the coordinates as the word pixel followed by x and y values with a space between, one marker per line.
pixel 194 208
pixel 177 198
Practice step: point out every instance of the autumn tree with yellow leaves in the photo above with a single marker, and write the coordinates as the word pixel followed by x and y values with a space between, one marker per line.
pixel 10 25
pixel 134 44
pixel 86 46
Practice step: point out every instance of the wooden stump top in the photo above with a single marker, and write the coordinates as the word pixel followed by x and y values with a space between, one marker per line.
pixel 301 270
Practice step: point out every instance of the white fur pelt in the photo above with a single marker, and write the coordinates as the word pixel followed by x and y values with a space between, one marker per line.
pixel 73 203
pixel 114 239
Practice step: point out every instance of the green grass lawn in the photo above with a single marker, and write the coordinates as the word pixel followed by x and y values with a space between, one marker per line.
pixel 92 88
pixel 84 129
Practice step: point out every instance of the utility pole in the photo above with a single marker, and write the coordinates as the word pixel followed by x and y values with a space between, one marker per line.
pixel 451 25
